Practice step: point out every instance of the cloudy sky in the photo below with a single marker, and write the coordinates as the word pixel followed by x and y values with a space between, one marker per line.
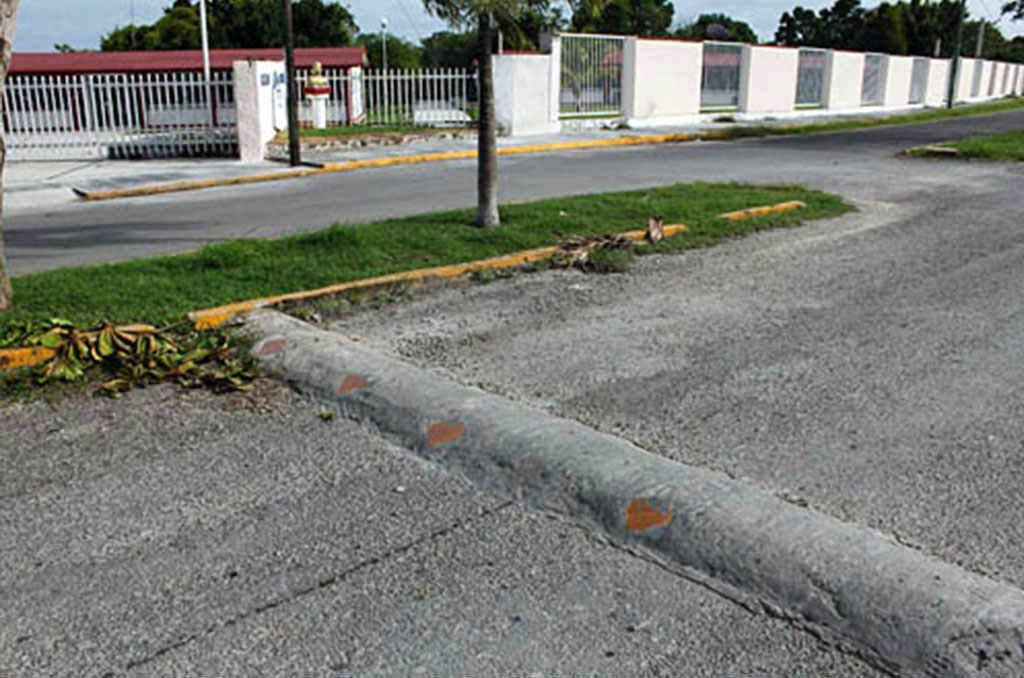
pixel 80 23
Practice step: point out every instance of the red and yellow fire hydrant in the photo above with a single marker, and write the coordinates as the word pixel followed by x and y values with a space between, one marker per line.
pixel 318 91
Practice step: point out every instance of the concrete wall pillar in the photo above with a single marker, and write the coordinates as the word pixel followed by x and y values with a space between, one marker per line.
pixel 255 102
pixel 768 79
pixel 899 71
pixel 551 45
pixel 937 91
pixel 965 79
pixel 844 80
pixel 522 91
pixel 661 80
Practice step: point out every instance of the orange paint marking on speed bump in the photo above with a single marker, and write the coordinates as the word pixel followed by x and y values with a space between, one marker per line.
pixel 352 383
pixel 642 516
pixel 445 432
pixel 268 348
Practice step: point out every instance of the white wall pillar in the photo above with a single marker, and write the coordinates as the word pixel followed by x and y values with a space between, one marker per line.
pixel 551 45
pixel 844 80
pixel 768 79
pixel 937 91
pixel 254 100
pixel 661 81
pixel 899 71
pixel 965 79
pixel 522 91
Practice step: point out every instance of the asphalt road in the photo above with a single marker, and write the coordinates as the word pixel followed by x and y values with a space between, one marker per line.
pixel 183 534
pixel 77 234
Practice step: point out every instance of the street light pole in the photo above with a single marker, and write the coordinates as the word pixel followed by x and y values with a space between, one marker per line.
pixel 206 61
pixel 384 42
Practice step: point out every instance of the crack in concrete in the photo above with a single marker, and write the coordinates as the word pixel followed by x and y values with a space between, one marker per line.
pixel 322 584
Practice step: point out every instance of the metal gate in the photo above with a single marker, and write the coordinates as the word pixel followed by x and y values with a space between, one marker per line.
pixel 119 115
pixel 720 77
pixel 591 75
pixel 873 93
pixel 919 80
pixel 810 85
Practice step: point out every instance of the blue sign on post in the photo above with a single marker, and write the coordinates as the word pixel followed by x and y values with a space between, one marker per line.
pixel 265 80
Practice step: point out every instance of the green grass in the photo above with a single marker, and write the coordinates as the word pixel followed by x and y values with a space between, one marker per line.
pixel 932 115
pixel 162 290
pixel 1005 146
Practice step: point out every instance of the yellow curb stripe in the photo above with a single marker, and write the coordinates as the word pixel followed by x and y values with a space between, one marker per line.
pixel 197 184
pixel 14 358
pixel 215 317
pixel 762 211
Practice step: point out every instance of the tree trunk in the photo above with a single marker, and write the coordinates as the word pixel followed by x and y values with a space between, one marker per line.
pixel 8 13
pixel 487 154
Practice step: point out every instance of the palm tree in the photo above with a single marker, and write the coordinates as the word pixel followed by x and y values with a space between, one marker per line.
pixel 8 14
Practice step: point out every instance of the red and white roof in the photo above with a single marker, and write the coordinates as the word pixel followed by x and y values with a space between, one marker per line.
pixel 39 63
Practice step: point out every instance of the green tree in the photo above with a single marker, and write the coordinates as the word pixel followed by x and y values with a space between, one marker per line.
pixel 8 15
pixel 739 31
pixel 1015 9
pixel 485 15
pixel 651 18
pixel 239 24
pixel 883 30
pixel 448 49
pixel 401 53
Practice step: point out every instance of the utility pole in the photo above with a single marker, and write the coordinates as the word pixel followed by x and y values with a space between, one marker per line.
pixel 981 40
pixel 384 43
pixel 294 157
pixel 955 64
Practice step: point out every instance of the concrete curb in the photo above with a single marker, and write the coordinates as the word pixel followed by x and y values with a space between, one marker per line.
pixel 197 184
pixel 903 611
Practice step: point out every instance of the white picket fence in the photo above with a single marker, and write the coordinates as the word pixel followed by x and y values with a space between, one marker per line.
pixel 433 97
pixel 120 115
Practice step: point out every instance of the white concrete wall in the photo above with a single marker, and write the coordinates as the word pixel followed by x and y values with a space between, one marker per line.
pixel 1018 87
pixel 844 80
pixel 986 78
pixel 899 71
pixel 551 45
pixel 522 94
pixel 964 79
pixel 998 76
pixel 937 91
pixel 661 80
pixel 254 99
pixel 768 79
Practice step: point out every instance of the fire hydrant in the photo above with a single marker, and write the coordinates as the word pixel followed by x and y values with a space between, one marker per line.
pixel 318 91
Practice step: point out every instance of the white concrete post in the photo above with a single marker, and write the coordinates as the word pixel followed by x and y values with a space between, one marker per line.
pixel 965 79
pixel 661 81
pixel 629 78
pixel 521 94
pixel 899 72
pixel 254 100
pixel 844 80
pixel 551 44
pixel 768 79
pixel 937 89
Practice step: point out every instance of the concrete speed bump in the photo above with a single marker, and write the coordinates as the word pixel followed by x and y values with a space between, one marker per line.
pixel 900 609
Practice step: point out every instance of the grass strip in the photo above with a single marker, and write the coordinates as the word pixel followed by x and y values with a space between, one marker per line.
pixel 1004 146
pixel 160 291
pixel 933 115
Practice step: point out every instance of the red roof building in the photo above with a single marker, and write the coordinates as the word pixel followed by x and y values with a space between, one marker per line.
pixel 72 63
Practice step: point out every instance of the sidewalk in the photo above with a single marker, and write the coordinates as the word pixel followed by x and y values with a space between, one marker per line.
pixel 33 185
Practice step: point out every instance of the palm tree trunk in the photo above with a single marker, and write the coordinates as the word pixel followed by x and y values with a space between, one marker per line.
pixel 8 13
pixel 487 154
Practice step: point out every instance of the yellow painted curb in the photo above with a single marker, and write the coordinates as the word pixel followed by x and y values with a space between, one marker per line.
pixel 16 358
pixel 196 184
pixel 762 211
pixel 215 317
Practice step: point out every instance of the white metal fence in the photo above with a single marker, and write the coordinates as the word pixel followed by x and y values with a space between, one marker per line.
pixel 873 91
pixel 432 97
pixel 720 80
pixel 119 115
pixel 810 85
pixel 591 75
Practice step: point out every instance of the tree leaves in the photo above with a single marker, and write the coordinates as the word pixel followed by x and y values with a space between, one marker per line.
pixel 135 356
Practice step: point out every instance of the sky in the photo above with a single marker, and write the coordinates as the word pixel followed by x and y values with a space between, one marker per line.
pixel 80 23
